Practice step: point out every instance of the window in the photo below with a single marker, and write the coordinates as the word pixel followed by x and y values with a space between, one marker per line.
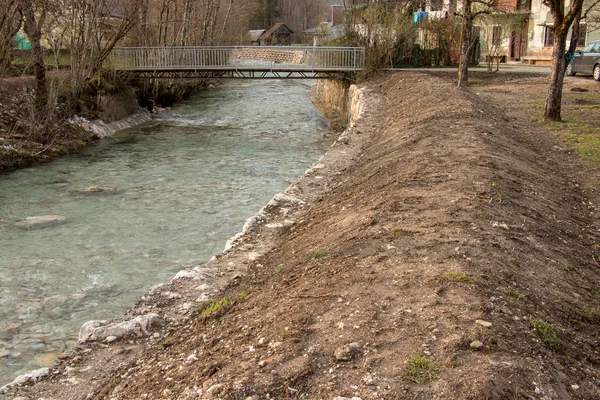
pixel 496 35
pixel 548 36
pixel 582 33
pixel 436 5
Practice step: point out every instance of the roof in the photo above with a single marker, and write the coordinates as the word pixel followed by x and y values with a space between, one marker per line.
pixel 274 29
pixel 327 30
pixel 254 35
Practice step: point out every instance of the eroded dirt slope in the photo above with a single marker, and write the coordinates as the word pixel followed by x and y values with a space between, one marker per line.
pixel 457 210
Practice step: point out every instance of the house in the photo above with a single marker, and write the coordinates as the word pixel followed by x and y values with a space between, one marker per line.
pixel 279 35
pixel 330 30
pixel 253 36
pixel 521 30
pixel 540 34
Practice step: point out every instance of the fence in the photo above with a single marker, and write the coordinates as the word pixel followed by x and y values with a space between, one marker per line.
pixel 276 58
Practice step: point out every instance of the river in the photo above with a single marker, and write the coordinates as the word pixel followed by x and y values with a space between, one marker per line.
pixel 183 184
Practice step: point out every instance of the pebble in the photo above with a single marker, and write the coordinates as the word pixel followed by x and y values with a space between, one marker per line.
pixel 347 352
pixel 215 388
pixel 347 398
pixel 574 387
pixel 110 339
pixel 476 344
pixel 483 323
pixel 192 357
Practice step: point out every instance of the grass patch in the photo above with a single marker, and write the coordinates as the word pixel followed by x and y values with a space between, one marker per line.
pixel 421 369
pixel 242 296
pixel 455 276
pixel 213 307
pixel 516 294
pixel 316 253
pixel 279 269
pixel 586 145
pixel 583 316
pixel 546 333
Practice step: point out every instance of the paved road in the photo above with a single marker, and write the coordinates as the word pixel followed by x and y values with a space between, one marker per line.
pixel 503 68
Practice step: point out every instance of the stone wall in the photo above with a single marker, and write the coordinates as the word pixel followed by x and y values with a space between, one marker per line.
pixel 344 100
pixel 278 56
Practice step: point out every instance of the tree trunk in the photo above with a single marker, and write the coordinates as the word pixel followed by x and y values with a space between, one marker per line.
pixel 33 30
pixel 557 76
pixel 467 30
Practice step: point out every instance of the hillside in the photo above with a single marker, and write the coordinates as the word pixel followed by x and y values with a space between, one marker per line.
pixel 445 248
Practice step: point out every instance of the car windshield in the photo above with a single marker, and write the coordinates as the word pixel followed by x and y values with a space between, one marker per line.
pixel 596 48
pixel 587 48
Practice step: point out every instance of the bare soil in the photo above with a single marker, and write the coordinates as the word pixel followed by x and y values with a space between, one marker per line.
pixel 449 225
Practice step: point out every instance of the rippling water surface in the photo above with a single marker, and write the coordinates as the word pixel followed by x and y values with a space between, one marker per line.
pixel 184 183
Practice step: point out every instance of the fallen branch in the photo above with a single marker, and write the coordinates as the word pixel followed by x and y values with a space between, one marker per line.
pixel 310 296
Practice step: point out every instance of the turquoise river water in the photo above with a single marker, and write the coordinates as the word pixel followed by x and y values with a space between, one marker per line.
pixel 184 182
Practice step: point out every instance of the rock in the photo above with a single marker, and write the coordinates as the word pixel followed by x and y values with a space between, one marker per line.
pixel 253 223
pixel 476 344
pixel 140 326
pixel 347 352
pixel 483 323
pixel 40 221
pixel 575 387
pixel 192 357
pixel 233 241
pixel 111 338
pixel 195 273
pixel 282 200
pixel 99 189
pixel 30 377
pixel 20 398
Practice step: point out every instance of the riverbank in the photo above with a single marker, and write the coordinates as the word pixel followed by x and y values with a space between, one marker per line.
pixel 108 107
pixel 444 247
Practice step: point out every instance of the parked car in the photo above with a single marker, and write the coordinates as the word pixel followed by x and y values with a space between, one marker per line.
pixel 586 61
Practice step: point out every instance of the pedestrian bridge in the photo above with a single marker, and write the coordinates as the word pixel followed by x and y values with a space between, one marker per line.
pixel 248 62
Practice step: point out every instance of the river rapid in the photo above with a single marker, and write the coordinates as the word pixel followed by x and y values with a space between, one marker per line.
pixel 177 188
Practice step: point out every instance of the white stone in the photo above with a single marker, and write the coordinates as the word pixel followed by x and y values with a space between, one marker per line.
pixel 39 221
pixel 140 326
pixel 483 323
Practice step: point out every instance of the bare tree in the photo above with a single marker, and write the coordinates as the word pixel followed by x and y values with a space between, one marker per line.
pixel 34 14
pixel 96 28
pixel 561 24
pixel 471 9
pixel 10 23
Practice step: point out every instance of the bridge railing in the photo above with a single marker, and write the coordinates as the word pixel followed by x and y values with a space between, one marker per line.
pixel 238 57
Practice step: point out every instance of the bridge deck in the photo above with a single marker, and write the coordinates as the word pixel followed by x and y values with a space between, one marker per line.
pixel 239 61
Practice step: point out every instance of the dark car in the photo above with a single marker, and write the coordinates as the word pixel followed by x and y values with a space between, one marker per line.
pixel 586 61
